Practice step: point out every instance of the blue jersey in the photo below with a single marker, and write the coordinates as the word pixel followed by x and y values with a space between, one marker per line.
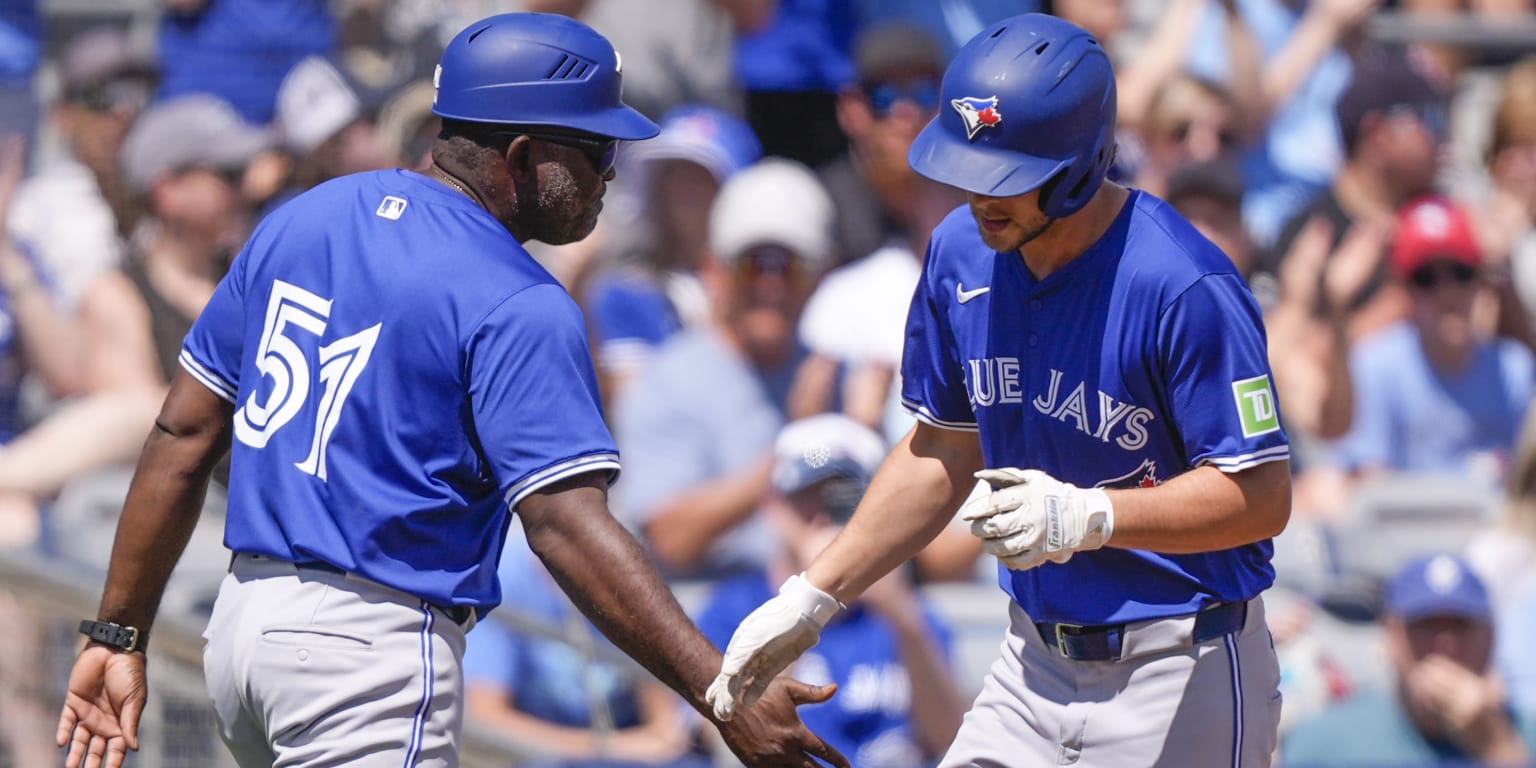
pixel 403 373
pixel 1140 359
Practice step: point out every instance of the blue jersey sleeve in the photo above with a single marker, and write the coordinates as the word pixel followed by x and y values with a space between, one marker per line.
pixel 534 393
pixel 1216 366
pixel 932 379
pixel 213 348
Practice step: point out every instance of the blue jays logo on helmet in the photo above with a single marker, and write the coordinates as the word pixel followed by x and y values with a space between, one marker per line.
pixel 977 113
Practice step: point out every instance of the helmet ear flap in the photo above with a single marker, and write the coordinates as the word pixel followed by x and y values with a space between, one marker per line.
pixel 1056 202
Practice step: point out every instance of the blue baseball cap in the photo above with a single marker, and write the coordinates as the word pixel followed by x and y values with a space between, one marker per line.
pixel 1438 585
pixel 719 141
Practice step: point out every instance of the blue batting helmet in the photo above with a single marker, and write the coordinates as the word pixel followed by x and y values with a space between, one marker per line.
pixel 536 69
pixel 1028 103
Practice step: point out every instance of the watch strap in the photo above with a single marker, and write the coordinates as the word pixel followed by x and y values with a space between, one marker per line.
pixel 115 635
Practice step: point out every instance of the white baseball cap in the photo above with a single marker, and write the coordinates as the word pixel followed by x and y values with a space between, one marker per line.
pixel 774 201
pixel 313 104
pixel 815 448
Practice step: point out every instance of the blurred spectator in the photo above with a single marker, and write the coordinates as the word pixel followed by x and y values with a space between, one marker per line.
pixel 1304 52
pixel 20 343
pixel 697 428
pixel 1507 222
pixel 1209 193
pixel 1392 123
pixel 854 323
pixel 676 52
pixel 880 200
pixel 1504 555
pixel 653 289
pixel 791 59
pixel 407 126
pixel 184 158
pixel 550 694
pixel 1189 121
pixel 323 128
pixel 897 704
pixel 951 22
pixel 1431 394
pixel 1169 115
pixel 21 47
pixel 1447 708
pixel 74 214
pixel 240 50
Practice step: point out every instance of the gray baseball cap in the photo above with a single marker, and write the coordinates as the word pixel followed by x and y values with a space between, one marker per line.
pixel 193 131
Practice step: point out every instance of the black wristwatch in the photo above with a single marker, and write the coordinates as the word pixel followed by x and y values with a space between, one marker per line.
pixel 116 635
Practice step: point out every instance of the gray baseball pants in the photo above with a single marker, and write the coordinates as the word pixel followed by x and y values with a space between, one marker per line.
pixel 1184 706
pixel 312 669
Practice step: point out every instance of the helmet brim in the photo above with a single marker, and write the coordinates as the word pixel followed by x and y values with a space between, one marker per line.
pixel 624 123
pixel 977 166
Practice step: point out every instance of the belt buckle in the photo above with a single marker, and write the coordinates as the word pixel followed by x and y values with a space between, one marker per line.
pixel 1061 642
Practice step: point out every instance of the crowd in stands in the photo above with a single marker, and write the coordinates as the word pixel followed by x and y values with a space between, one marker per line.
pixel 746 291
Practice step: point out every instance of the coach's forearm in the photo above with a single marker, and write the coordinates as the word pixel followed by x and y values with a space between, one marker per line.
pixel 1204 510
pixel 917 490
pixel 606 574
pixel 164 501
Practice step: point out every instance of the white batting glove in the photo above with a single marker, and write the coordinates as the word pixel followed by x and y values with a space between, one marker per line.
pixel 1031 517
pixel 767 642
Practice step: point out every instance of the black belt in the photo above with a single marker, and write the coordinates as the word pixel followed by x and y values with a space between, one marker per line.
pixel 1105 642
pixel 458 614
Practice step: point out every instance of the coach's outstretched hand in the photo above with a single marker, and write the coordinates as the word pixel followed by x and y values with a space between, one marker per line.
pixel 770 733
pixel 100 721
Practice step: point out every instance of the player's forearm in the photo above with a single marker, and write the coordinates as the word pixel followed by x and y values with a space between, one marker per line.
pixel 606 574
pixel 1204 510
pixel 917 490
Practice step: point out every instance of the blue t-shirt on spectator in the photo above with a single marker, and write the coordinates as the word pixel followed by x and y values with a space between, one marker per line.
pixel 1372 729
pixel 868 719
pixel 1298 156
pixel 1411 418
pixel 240 50
pixel 808 46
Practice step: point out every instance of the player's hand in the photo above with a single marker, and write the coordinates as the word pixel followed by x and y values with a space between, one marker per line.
pixel 767 641
pixel 100 721
pixel 771 733
pixel 1031 517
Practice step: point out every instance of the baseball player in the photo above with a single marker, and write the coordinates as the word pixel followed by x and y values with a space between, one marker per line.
pixel 1103 366
pixel 395 374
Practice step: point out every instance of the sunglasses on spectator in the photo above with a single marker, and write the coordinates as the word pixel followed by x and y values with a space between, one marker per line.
pixel 769 260
pixel 1224 136
pixel 1431 275
pixel 1430 115
pixel 884 96
pixel 600 150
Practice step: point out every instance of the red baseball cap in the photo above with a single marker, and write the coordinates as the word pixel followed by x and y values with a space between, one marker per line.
pixel 1431 229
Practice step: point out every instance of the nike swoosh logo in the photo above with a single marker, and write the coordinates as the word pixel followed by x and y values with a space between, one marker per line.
pixel 964 296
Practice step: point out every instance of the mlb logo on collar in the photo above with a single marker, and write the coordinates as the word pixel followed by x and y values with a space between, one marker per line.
pixel 978 113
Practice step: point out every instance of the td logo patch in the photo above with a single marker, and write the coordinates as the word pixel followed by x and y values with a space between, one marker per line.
pixel 1255 400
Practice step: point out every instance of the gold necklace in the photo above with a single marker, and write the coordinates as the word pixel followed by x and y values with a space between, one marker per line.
pixel 453 182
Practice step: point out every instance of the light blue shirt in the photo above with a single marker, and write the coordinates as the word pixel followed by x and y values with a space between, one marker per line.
pixel 1303 148
pixel 1372 729
pixel 698 413
pixel 1410 417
